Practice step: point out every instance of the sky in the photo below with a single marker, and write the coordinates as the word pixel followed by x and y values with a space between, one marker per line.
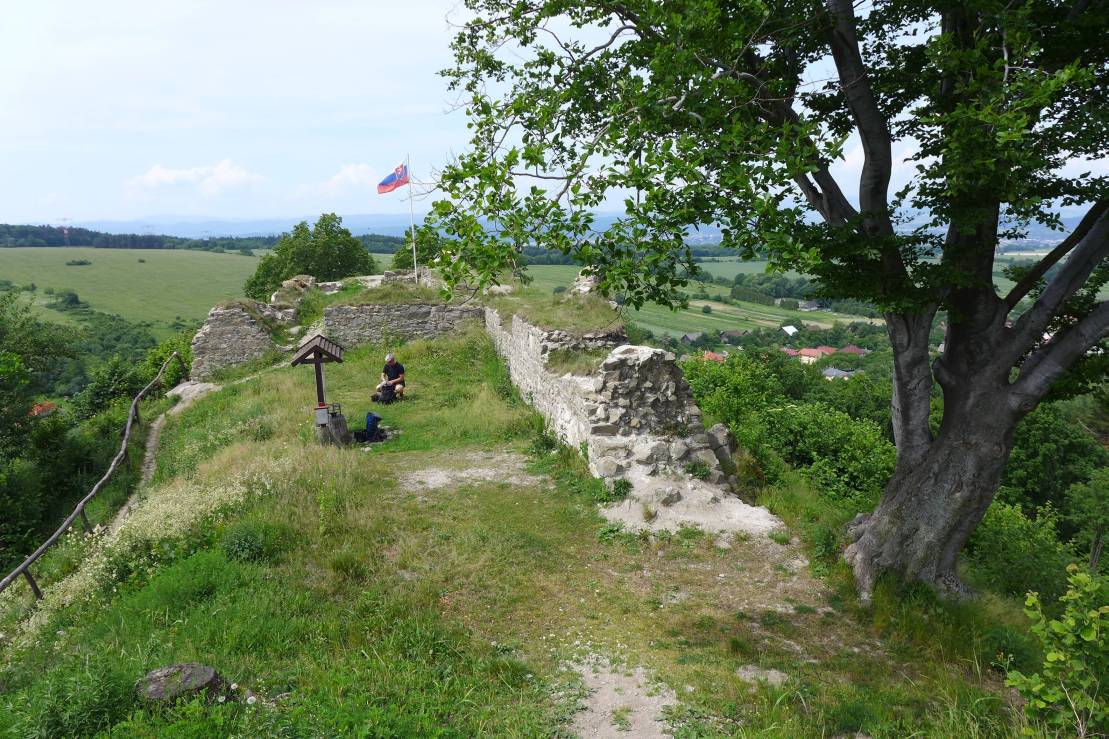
pixel 129 110
pixel 123 109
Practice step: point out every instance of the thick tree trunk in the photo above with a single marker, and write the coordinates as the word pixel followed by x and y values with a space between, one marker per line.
pixel 930 509
pixel 942 486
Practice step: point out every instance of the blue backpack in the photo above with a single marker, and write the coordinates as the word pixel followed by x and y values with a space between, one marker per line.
pixel 372 419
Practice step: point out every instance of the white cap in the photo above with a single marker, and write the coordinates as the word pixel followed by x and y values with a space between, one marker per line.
pixel 389 357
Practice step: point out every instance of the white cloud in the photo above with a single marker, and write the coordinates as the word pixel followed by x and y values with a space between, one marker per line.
pixel 348 177
pixel 209 179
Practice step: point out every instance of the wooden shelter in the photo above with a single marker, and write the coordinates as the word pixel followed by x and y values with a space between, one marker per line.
pixel 318 350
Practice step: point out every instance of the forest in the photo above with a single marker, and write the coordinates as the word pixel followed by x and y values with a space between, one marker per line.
pixel 24 235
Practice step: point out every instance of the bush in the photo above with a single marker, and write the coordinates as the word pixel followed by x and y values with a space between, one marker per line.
pixel 1066 693
pixel 706 309
pixel 847 459
pixel 1015 553
pixel 176 372
pixel 255 542
pixel 116 379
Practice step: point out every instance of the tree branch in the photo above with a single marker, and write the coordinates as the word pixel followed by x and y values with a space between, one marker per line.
pixel 1091 249
pixel 869 120
pixel 1029 281
pixel 1040 371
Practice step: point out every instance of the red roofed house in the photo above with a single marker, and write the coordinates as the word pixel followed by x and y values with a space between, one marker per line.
pixel 809 356
pixel 827 349
pixel 43 409
pixel 714 357
pixel 790 352
pixel 852 349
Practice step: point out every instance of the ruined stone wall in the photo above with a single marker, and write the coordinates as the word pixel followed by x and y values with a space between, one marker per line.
pixel 230 336
pixel 635 415
pixel 360 324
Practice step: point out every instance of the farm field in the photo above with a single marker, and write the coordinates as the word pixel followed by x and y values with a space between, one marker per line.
pixel 739 315
pixel 168 284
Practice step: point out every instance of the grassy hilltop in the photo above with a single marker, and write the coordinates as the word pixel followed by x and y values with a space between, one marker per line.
pixel 441 583
pixel 164 285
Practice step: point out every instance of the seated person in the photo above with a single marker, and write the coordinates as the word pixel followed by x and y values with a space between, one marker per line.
pixel 392 374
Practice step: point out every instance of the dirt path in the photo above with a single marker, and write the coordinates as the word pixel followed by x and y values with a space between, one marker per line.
pixel 188 392
pixel 620 703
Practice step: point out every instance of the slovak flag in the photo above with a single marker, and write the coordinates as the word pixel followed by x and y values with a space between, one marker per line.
pixel 399 178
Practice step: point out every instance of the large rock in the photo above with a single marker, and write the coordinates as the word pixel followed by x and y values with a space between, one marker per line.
pixel 231 335
pixel 302 283
pixel 585 283
pixel 167 684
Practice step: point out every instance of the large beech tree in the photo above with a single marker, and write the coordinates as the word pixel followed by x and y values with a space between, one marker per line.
pixel 732 113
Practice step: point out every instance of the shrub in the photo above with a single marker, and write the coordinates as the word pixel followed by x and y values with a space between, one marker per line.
pixel 706 309
pixel 255 542
pixel 176 372
pixel 697 469
pixel 1015 553
pixel 116 379
pixel 847 459
pixel 1066 693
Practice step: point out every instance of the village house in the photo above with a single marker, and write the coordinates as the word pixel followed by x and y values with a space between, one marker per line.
pixel 691 337
pixel 834 373
pixel 809 355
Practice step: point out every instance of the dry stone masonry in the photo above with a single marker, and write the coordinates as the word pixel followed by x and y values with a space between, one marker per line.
pixel 361 324
pixel 637 421
pixel 230 336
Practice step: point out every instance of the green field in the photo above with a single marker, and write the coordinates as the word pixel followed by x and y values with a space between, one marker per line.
pixel 167 285
pixel 739 315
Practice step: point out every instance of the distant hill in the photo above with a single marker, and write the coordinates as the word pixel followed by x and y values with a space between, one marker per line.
pixel 55 236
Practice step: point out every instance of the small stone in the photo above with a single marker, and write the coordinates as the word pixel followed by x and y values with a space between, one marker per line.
pixel 720 435
pixel 670 497
pixel 166 684
pixel 678 450
pixel 753 673
pixel 607 467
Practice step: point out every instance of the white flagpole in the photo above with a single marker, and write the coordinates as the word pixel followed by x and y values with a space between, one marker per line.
pixel 412 214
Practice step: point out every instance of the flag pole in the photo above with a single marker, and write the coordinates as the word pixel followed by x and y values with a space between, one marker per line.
pixel 412 214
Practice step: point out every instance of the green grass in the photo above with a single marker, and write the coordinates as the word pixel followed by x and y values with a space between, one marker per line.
pixel 354 602
pixel 576 362
pixel 576 314
pixel 170 283
pixel 391 294
pixel 724 317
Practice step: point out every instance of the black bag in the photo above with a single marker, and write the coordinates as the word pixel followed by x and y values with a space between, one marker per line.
pixel 386 395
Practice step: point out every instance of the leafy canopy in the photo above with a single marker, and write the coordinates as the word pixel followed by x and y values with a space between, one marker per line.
pixel 327 251
pixel 703 112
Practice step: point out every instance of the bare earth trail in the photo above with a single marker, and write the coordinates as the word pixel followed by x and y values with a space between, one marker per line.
pixel 188 392
pixel 749 573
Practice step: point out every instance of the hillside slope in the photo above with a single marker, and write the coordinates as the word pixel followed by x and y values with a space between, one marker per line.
pixel 455 580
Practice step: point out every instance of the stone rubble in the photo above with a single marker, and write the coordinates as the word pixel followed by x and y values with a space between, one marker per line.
pixel 585 283
pixel 637 421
